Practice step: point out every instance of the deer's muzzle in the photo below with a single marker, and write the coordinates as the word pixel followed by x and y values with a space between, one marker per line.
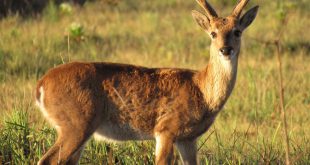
pixel 226 51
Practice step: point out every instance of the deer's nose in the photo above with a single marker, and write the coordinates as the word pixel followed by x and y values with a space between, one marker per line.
pixel 226 50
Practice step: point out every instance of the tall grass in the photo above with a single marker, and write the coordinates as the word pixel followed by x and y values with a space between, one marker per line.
pixel 160 34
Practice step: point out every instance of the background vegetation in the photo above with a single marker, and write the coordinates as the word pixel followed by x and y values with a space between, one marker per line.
pixel 161 33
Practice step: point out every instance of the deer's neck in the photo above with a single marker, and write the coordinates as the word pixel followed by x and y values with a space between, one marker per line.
pixel 217 81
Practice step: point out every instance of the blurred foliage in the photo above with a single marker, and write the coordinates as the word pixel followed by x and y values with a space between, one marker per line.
pixel 65 8
pixel 76 31
pixel 29 7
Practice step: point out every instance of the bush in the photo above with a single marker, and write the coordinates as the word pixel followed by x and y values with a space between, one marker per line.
pixel 28 7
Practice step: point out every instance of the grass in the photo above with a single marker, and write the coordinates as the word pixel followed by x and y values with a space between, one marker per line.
pixel 160 34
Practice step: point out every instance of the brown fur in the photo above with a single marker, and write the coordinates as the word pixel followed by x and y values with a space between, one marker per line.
pixel 126 102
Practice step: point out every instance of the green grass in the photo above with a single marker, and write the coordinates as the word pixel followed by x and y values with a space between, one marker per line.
pixel 160 34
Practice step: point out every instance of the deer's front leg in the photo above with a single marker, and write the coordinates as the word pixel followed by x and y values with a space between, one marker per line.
pixel 164 149
pixel 188 151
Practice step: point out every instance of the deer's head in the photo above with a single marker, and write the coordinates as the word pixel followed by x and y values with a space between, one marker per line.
pixel 225 32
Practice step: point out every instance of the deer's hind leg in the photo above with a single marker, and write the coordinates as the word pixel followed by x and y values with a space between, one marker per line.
pixel 76 156
pixel 68 147
pixel 74 128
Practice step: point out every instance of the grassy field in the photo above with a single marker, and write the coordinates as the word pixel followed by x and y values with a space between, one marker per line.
pixel 161 34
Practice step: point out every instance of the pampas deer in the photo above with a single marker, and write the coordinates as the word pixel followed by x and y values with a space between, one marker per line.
pixel 125 102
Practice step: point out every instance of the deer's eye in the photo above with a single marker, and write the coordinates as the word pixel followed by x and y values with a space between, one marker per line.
pixel 213 35
pixel 237 33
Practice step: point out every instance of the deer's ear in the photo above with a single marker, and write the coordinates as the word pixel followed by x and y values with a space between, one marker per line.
pixel 248 17
pixel 201 19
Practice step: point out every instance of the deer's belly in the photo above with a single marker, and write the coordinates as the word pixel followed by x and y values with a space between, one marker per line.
pixel 114 133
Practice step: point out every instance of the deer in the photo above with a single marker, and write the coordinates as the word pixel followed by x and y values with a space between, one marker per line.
pixel 122 102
